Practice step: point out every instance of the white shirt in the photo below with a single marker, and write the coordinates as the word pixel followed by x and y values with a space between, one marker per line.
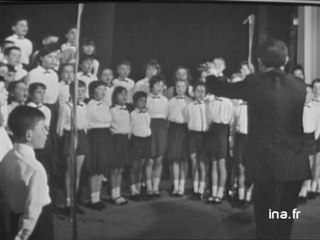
pixel 157 106
pixel 120 123
pixel 315 103
pixel 197 116
pixel 64 119
pixel 220 110
pixel 108 96
pixel 64 93
pixel 45 110
pixel 5 141
pixel 95 67
pixel 20 73
pixel 50 79
pixel 177 109
pixel 87 79
pixel 69 46
pixel 24 44
pixel 241 117
pixel 24 184
pixel 142 85
pixel 127 84
pixel 140 123
pixel 98 114
pixel 309 120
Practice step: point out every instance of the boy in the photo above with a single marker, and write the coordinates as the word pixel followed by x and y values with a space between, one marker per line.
pixel 12 57
pixel 69 48
pixel 20 30
pixel 67 76
pixel 123 71
pixel 23 180
pixel 107 78
pixel 85 74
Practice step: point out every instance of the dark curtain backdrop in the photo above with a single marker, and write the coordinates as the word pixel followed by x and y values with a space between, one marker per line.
pixel 175 34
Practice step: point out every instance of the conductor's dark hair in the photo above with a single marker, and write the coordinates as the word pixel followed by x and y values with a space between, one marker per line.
pixel 317 80
pixel 93 85
pixel 115 94
pixel 138 95
pixel 34 86
pixel 81 84
pixel 156 79
pixel 17 20
pixel 22 119
pixel 8 50
pixel 273 53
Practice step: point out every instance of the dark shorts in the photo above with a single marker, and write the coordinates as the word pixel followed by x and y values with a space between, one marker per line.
pixel 240 141
pixel 139 147
pixel 197 143
pixel 217 144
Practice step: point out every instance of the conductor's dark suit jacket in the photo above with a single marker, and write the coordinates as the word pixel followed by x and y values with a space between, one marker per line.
pixel 276 148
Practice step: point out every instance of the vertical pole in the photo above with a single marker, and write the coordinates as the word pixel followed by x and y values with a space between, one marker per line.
pixel 74 143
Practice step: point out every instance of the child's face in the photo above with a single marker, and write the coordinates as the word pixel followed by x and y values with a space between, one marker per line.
pixel 122 98
pixel 14 57
pixel 72 35
pixel 81 94
pixel 67 74
pixel 309 95
pixel 151 71
pixel 107 76
pixel 200 93
pixel 38 95
pixel 123 71
pixel 49 60
pixel 88 49
pixel 158 88
pixel 181 88
pixel 298 73
pixel 21 28
pixel 20 93
pixel 49 40
pixel 141 103
pixel 4 71
pixel 182 74
pixel 244 70
pixel 86 66
pixel 316 90
pixel 38 135
pixel 99 93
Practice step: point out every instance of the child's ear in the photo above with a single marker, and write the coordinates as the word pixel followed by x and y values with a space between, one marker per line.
pixel 29 135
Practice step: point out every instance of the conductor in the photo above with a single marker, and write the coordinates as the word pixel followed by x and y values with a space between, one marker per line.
pixel 276 154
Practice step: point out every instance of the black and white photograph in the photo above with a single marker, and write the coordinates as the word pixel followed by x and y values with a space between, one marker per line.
pixel 160 120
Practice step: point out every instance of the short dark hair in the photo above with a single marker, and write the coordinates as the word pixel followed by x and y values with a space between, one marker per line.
pixel 115 93
pixel 86 58
pixel 189 78
pixel 12 85
pixel 273 53
pixel 156 79
pixel 197 84
pixel 22 119
pixel 17 20
pixel 153 63
pixel 34 86
pixel 93 85
pixel 88 41
pixel 317 80
pixel 65 65
pixel 138 95
pixel 124 62
pixel 81 84
pixel 8 50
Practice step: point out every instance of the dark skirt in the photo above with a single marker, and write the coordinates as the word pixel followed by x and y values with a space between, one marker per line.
pixel 139 147
pixel 83 146
pixel 159 131
pixel 101 151
pixel 217 144
pixel 240 141
pixel 120 150
pixel 177 142
pixel 197 143
pixel 311 143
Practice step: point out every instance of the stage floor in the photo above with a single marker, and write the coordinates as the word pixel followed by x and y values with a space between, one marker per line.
pixel 178 218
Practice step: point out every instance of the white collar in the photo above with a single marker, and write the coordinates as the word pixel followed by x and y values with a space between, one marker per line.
pixel 18 37
pixel 25 150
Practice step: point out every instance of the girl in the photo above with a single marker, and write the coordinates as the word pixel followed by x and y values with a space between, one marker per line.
pixel 152 68
pixel 120 129
pixel 198 127
pixel 177 137
pixel 140 141
pixel 100 141
pixel 181 73
pixel 89 50
pixel 107 78
pixel 157 106
pixel 18 94
pixel 64 130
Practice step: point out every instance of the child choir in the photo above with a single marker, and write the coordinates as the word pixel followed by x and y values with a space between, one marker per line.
pixel 138 126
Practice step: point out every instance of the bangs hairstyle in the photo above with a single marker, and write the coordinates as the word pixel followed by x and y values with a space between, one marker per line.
pixel 34 86
pixel 22 119
pixel 153 63
pixel 86 58
pixel 138 95
pixel 115 94
pixel 81 84
pixel 273 53
pixel 197 84
pixel 65 65
pixel 17 20
pixel 317 80
pixel 189 76
pixel 124 62
pixel 156 79
pixel 93 86
pixel 8 50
